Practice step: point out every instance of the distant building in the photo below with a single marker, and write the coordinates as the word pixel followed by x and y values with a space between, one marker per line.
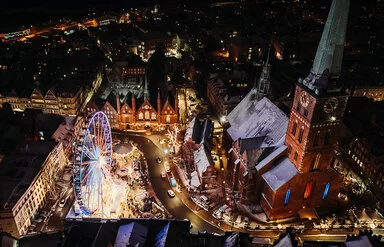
pixel 364 147
pixel 67 102
pixel 375 93
pixel 225 92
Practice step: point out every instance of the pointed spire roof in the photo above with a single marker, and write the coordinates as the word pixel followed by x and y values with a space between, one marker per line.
pixel 264 80
pixel 146 91
pixel 329 55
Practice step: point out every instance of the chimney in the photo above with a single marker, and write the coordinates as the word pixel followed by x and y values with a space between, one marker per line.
pixel 133 104
pixel 118 105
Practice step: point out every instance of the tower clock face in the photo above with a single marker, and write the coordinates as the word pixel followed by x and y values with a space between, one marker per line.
pixel 330 105
pixel 304 99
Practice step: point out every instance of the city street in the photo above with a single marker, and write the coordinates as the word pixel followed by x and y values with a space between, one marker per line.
pixel 174 205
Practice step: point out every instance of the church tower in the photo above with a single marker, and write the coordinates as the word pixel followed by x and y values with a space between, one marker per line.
pixel 319 102
pixel 302 180
pixel 263 87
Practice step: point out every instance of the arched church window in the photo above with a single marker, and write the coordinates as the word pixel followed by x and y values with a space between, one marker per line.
pixel 287 195
pixel 308 190
pixel 326 190
pixel 147 115
pixel 141 115
pixel 153 116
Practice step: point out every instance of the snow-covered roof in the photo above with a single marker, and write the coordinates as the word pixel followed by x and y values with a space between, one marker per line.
pixel 131 234
pixel 270 157
pixel 202 159
pixel 189 131
pixel 252 118
pixel 361 241
pixel 285 242
pixel 280 174
pixel 195 182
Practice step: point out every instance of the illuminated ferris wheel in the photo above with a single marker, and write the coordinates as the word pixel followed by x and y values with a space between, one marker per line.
pixel 93 158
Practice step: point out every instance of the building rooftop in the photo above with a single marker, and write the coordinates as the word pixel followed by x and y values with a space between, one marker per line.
pixel 252 118
pixel 280 174
pixel 17 171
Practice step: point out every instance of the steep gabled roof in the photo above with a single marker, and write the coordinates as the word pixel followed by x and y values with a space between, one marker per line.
pixel 167 108
pixel 255 120
pixel 125 108
pixel 284 171
pixel 147 104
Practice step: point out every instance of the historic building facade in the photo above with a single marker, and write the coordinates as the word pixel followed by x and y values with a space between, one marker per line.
pixel 28 195
pixel 127 115
pixel 65 103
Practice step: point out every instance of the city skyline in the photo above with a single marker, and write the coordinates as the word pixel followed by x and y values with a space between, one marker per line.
pixel 254 122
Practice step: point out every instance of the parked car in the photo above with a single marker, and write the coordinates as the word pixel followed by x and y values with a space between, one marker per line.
pixel 217 214
pixel 172 180
pixel 238 220
pixel 204 199
pixel 167 168
pixel 223 208
pixel 246 221
pixel 171 193
pixel 62 202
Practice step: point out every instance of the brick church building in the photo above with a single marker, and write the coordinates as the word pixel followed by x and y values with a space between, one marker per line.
pixel 286 164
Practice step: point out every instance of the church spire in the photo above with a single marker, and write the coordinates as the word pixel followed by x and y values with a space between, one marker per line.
pixel 326 67
pixel 264 80
pixel 146 91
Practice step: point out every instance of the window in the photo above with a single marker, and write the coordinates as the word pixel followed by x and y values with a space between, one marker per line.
pixel 301 134
pixel 295 156
pixel 289 149
pixel 326 190
pixel 317 161
pixel 147 115
pixel 141 115
pixel 153 116
pixel 326 138
pixel 168 119
pixel 287 195
pixel 308 190
pixel 294 128
pixel 316 140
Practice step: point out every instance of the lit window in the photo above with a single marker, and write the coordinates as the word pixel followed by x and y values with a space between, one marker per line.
pixel 326 190
pixel 308 190
pixel 317 161
pixel 153 116
pixel 287 195
pixel 141 115
pixel 147 115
